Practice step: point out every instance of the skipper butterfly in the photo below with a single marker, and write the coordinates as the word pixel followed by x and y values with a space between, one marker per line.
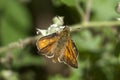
pixel 59 47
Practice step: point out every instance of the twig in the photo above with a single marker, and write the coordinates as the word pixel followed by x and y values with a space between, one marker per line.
pixel 88 9
pixel 79 9
pixel 95 24
pixel 20 44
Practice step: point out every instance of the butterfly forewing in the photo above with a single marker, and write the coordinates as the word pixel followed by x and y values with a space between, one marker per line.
pixel 46 43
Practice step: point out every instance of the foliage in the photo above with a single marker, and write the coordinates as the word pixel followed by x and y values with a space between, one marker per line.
pixel 99 48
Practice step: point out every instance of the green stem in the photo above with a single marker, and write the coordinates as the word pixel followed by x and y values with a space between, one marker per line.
pixel 79 9
pixel 19 44
pixel 29 40
pixel 87 11
pixel 95 24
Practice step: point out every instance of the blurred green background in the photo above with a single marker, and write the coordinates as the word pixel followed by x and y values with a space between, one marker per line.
pixel 99 47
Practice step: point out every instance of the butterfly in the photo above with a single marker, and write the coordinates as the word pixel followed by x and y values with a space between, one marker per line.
pixel 59 47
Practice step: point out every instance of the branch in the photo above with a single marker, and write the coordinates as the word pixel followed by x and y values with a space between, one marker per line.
pixel 95 24
pixel 88 9
pixel 79 9
pixel 21 43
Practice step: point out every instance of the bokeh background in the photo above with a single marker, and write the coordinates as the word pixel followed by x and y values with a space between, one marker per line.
pixel 98 47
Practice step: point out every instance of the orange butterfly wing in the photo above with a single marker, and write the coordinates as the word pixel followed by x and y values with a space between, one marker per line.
pixel 46 43
pixel 70 54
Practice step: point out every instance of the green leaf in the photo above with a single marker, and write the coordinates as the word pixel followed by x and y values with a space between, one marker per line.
pixel 15 21
pixel 70 3
pixel 85 41
pixel 104 9
pixel 25 58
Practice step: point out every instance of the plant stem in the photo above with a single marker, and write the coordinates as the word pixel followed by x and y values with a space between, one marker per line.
pixel 88 9
pixel 21 43
pixel 79 9
pixel 95 24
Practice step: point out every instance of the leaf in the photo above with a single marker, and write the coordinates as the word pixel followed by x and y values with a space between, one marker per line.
pixel 85 41
pixel 70 3
pixel 15 22
pixel 25 58
pixel 104 9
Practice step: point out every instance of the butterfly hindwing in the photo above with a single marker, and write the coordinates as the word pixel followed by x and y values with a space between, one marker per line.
pixel 70 54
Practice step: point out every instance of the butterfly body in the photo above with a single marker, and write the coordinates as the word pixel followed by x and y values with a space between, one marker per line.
pixel 59 47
